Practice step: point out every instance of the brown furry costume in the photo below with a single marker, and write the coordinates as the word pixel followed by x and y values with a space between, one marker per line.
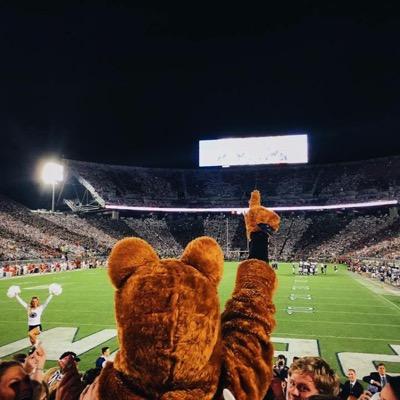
pixel 258 214
pixel 174 344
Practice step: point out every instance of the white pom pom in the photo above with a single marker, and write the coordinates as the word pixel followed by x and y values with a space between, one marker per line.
pixel 55 289
pixel 13 291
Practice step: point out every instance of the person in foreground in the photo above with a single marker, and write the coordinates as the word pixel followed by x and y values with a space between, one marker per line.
pixel 23 381
pixel 351 387
pixel 174 344
pixel 377 379
pixel 391 391
pixel 311 376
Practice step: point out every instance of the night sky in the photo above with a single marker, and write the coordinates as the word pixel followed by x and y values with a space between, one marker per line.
pixel 140 86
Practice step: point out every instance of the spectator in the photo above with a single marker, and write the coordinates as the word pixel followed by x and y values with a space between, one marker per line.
pixel 351 387
pixel 105 353
pixel 54 375
pixel 391 391
pixel 377 380
pixel 310 376
pixel 280 368
pixel 23 382
pixel 14 382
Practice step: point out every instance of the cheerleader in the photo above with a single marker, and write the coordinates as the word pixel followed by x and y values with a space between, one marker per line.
pixel 35 310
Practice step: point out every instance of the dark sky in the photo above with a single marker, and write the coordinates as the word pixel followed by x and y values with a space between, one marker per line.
pixel 120 84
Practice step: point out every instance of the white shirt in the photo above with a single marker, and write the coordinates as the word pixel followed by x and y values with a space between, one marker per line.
pixel 34 314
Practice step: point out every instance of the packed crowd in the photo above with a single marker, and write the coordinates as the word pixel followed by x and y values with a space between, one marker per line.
pixel 386 272
pixel 299 185
pixel 25 377
pixel 323 236
pixel 9 269
pixel 28 235
pixel 329 235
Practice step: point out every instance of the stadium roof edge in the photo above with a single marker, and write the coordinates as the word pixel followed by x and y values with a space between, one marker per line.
pixel 240 210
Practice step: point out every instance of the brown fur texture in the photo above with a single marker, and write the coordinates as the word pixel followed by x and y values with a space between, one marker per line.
pixel 173 343
pixel 258 214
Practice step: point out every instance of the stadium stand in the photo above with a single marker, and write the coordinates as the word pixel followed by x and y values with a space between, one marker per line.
pixel 361 233
pixel 283 185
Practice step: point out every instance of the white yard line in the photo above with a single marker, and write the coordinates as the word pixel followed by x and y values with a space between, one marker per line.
pixel 283 334
pixel 379 295
pixel 375 286
pixel 312 322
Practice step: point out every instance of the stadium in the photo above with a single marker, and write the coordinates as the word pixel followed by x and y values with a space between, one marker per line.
pixel 199 204
pixel 340 214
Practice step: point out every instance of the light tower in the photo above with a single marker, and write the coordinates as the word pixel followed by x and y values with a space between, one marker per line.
pixel 52 173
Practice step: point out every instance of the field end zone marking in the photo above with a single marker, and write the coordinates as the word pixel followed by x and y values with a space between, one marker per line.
pixel 56 340
pixel 304 347
pixel 364 362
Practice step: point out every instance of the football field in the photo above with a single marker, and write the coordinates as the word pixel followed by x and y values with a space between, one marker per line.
pixel 347 320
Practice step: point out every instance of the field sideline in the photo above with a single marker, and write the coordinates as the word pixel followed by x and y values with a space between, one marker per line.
pixel 335 313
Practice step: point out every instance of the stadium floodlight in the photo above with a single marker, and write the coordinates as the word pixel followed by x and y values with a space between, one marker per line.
pixel 52 173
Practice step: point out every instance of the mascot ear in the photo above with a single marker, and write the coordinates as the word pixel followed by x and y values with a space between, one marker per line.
pixel 126 256
pixel 206 256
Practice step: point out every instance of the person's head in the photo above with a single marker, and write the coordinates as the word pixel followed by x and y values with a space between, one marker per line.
pixel 66 357
pixel 35 302
pixel 381 369
pixel 282 357
pixel 351 374
pixel 20 357
pixel 105 351
pixel 391 390
pixel 310 376
pixel 15 383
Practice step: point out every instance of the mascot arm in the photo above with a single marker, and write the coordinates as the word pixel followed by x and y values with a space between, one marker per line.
pixel 247 323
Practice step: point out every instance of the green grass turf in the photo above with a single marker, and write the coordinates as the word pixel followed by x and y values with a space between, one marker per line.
pixel 348 316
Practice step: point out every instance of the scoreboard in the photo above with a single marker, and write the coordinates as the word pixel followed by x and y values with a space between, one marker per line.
pixel 288 149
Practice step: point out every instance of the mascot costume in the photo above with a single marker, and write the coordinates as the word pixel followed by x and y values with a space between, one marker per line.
pixel 174 343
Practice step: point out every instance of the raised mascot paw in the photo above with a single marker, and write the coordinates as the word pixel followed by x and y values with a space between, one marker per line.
pixel 260 222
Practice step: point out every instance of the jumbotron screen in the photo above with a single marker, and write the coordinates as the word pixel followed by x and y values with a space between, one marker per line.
pixel 289 149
